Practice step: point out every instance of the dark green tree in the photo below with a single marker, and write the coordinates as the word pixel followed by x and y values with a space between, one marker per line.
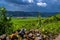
pixel 5 22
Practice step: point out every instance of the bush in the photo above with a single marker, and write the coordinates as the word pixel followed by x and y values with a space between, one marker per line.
pixel 5 22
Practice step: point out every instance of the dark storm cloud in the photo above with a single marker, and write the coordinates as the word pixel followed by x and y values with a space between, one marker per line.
pixel 20 2
pixel 28 2
pixel 31 5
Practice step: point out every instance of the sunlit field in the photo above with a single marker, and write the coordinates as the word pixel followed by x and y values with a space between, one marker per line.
pixel 47 25
pixel 23 22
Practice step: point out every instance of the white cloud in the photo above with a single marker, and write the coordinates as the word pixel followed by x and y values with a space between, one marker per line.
pixel 30 1
pixel 23 0
pixel 42 4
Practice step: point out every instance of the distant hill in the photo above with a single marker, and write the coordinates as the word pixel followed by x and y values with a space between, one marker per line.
pixel 26 14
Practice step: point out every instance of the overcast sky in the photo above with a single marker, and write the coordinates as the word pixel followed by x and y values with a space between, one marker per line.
pixel 31 5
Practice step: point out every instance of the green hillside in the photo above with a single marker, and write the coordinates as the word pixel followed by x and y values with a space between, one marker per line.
pixel 46 25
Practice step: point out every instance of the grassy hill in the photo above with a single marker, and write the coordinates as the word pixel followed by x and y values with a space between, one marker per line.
pixel 46 25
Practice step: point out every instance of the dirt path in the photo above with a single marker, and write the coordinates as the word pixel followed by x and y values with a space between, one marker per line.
pixel 58 38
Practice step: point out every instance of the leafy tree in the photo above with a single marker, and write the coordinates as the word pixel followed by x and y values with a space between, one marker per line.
pixel 5 22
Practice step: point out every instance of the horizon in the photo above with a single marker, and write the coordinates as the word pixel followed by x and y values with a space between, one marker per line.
pixel 33 11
